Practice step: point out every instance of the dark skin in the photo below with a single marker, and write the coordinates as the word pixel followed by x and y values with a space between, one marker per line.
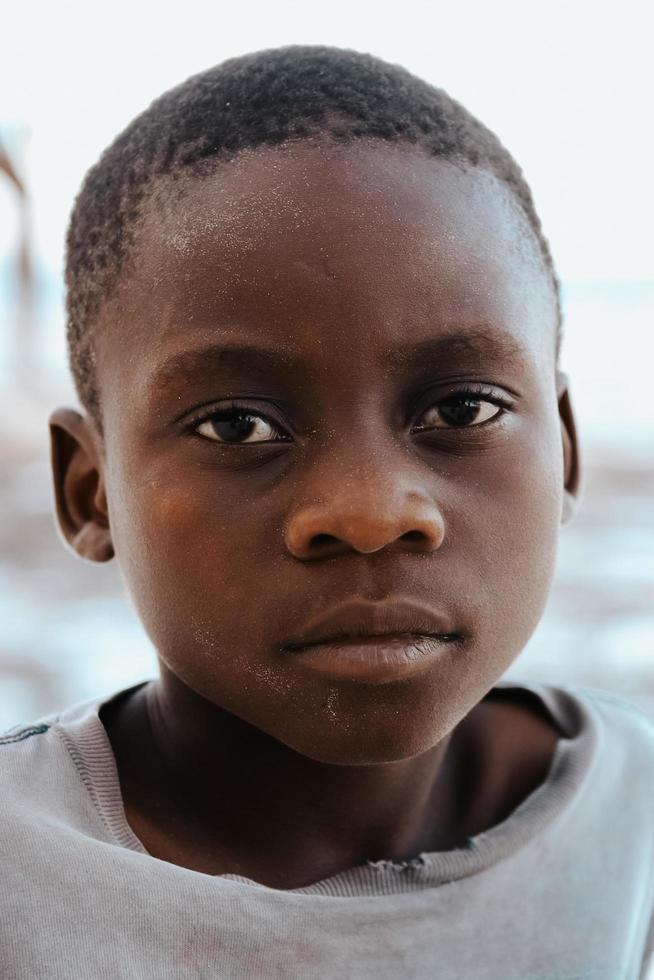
pixel 347 481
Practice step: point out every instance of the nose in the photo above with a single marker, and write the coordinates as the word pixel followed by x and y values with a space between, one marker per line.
pixel 364 509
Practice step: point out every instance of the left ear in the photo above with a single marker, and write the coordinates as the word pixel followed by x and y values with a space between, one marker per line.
pixel 571 454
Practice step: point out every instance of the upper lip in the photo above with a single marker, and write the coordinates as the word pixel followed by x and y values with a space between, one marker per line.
pixel 363 618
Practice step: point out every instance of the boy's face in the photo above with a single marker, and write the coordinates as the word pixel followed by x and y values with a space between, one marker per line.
pixel 384 282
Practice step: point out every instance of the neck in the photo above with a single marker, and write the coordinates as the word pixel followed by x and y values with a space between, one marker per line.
pixel 253 806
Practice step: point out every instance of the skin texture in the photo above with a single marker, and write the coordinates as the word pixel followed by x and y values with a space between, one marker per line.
pixel 239 758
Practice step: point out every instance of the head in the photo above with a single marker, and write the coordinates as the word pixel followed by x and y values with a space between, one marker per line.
pixel 315 330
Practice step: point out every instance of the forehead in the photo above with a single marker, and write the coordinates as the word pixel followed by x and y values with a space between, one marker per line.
pixel 368 244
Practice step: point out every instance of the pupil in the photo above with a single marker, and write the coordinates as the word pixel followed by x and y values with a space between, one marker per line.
pixel 463 411
pixel 232 427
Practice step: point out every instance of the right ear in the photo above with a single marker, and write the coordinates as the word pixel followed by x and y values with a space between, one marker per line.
pixel 80 495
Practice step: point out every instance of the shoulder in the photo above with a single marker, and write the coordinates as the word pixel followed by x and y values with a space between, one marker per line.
pixel 47 814
pixel 47 770
pixel 622 738
pixel 577 708
pixel 32 759
pixel 25 740
pixel 617 715
pixel 36 789
pixel 19 733
pixel 591 713
pixel 607 748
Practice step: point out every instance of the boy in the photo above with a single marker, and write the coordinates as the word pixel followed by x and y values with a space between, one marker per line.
pixel 314 326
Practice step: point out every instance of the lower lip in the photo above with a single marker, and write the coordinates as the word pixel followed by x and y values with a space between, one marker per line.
pixel 375 659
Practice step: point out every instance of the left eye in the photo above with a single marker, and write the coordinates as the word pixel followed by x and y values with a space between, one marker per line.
pixel 459 412
pixel 238 426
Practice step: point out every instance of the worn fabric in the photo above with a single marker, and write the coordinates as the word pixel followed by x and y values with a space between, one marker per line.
pixel 563 888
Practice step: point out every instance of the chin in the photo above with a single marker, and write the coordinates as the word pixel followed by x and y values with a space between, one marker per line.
pixel 340 741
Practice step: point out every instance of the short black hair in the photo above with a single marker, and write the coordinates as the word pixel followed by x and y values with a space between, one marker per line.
pixel 263 98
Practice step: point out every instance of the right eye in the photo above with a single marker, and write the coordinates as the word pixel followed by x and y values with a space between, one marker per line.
pixel 238 426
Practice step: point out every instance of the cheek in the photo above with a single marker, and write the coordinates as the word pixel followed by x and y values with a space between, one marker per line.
pixel 198 569
pixel 511 540
pixel 181 555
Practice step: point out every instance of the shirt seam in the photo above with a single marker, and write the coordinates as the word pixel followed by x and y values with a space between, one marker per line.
pixel 23 733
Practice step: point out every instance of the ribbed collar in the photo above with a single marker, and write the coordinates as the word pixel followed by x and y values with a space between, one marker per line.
pixel 87 741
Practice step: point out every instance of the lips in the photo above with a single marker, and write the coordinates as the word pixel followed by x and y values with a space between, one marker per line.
pixel 363 619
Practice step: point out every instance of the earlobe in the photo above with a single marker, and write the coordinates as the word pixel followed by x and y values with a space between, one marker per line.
pixel 571 453
pixel 80 494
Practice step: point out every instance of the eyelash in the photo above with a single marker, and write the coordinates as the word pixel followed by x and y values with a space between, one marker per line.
pixel 477 393
pixel 233 407
pixel 480 393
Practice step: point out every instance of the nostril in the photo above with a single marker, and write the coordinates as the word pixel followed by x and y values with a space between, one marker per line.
pixel 323 539
pixel 413 536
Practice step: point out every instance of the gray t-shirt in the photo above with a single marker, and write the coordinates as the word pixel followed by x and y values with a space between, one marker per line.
pixel 563 888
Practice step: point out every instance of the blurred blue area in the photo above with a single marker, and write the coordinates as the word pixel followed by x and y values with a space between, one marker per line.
pixel 68 631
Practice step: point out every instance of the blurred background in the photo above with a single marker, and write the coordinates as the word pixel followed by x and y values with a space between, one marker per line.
pixel 568 88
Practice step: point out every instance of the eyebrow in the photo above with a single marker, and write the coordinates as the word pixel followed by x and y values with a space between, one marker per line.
pixel 478 343
pixel 244 357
